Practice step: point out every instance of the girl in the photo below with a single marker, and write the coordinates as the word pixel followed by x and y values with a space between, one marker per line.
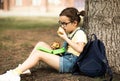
pixel 69 31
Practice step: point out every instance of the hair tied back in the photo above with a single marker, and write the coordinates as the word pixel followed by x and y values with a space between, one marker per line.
pixel 82 13
pixel 78 13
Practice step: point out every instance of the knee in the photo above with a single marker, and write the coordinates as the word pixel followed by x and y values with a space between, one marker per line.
pixel 36 54
pixel 41 43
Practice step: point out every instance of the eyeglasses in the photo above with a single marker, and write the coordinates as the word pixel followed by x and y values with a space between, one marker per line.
pixel 63 23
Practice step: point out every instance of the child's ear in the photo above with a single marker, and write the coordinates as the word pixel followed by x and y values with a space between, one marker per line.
pixel 75 22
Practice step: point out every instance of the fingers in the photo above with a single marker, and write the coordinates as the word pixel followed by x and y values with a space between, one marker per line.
pixel 60 31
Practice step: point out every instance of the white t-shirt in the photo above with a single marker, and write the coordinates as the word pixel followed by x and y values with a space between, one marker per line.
pixel 79 36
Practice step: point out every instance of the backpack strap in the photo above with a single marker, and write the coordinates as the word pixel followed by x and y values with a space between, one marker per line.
pixel 65 44
pixel 75 33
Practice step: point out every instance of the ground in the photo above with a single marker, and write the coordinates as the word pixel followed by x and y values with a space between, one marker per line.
pixel 15 47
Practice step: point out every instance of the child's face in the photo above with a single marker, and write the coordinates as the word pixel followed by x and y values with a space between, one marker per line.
pixel 65 23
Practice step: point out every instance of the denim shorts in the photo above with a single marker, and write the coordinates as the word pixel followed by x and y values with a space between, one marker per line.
pixel 67 61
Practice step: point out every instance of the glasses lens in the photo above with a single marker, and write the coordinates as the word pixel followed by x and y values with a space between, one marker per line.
pixel 63 23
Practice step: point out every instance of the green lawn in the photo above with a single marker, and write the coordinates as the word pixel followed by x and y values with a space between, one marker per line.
pixel 27 22
pixel 15 45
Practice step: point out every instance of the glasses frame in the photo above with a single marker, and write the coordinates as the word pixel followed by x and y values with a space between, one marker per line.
pixel 63 23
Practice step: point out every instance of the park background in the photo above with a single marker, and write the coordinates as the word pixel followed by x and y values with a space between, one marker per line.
pixel 37 7
pixel 25 22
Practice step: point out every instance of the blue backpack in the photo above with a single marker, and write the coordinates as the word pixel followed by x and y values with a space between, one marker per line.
pixel 92 61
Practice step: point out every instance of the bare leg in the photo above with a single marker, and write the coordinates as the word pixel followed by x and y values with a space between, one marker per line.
pixel 36 56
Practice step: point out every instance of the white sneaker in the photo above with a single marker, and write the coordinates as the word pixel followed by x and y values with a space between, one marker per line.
pixel 9 76
pixel 28 72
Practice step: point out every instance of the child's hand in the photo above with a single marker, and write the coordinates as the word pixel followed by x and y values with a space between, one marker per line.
pixel 61 32
pixel 55 45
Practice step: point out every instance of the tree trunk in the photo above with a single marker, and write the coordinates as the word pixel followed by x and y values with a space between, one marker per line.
pixel 103 19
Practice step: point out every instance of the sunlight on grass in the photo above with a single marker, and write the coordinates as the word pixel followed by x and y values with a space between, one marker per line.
pixel 27 22
pixel 3 47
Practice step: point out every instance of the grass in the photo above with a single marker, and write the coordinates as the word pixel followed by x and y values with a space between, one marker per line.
pixel 24 23
pixel 12 49
pixel 27 22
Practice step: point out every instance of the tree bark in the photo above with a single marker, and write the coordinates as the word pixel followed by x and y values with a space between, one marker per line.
pixel 103 19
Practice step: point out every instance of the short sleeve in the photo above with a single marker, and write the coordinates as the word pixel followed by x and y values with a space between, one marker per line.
pixel 80 36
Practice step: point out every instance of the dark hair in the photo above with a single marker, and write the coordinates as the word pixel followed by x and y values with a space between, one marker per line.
pixel 72 13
